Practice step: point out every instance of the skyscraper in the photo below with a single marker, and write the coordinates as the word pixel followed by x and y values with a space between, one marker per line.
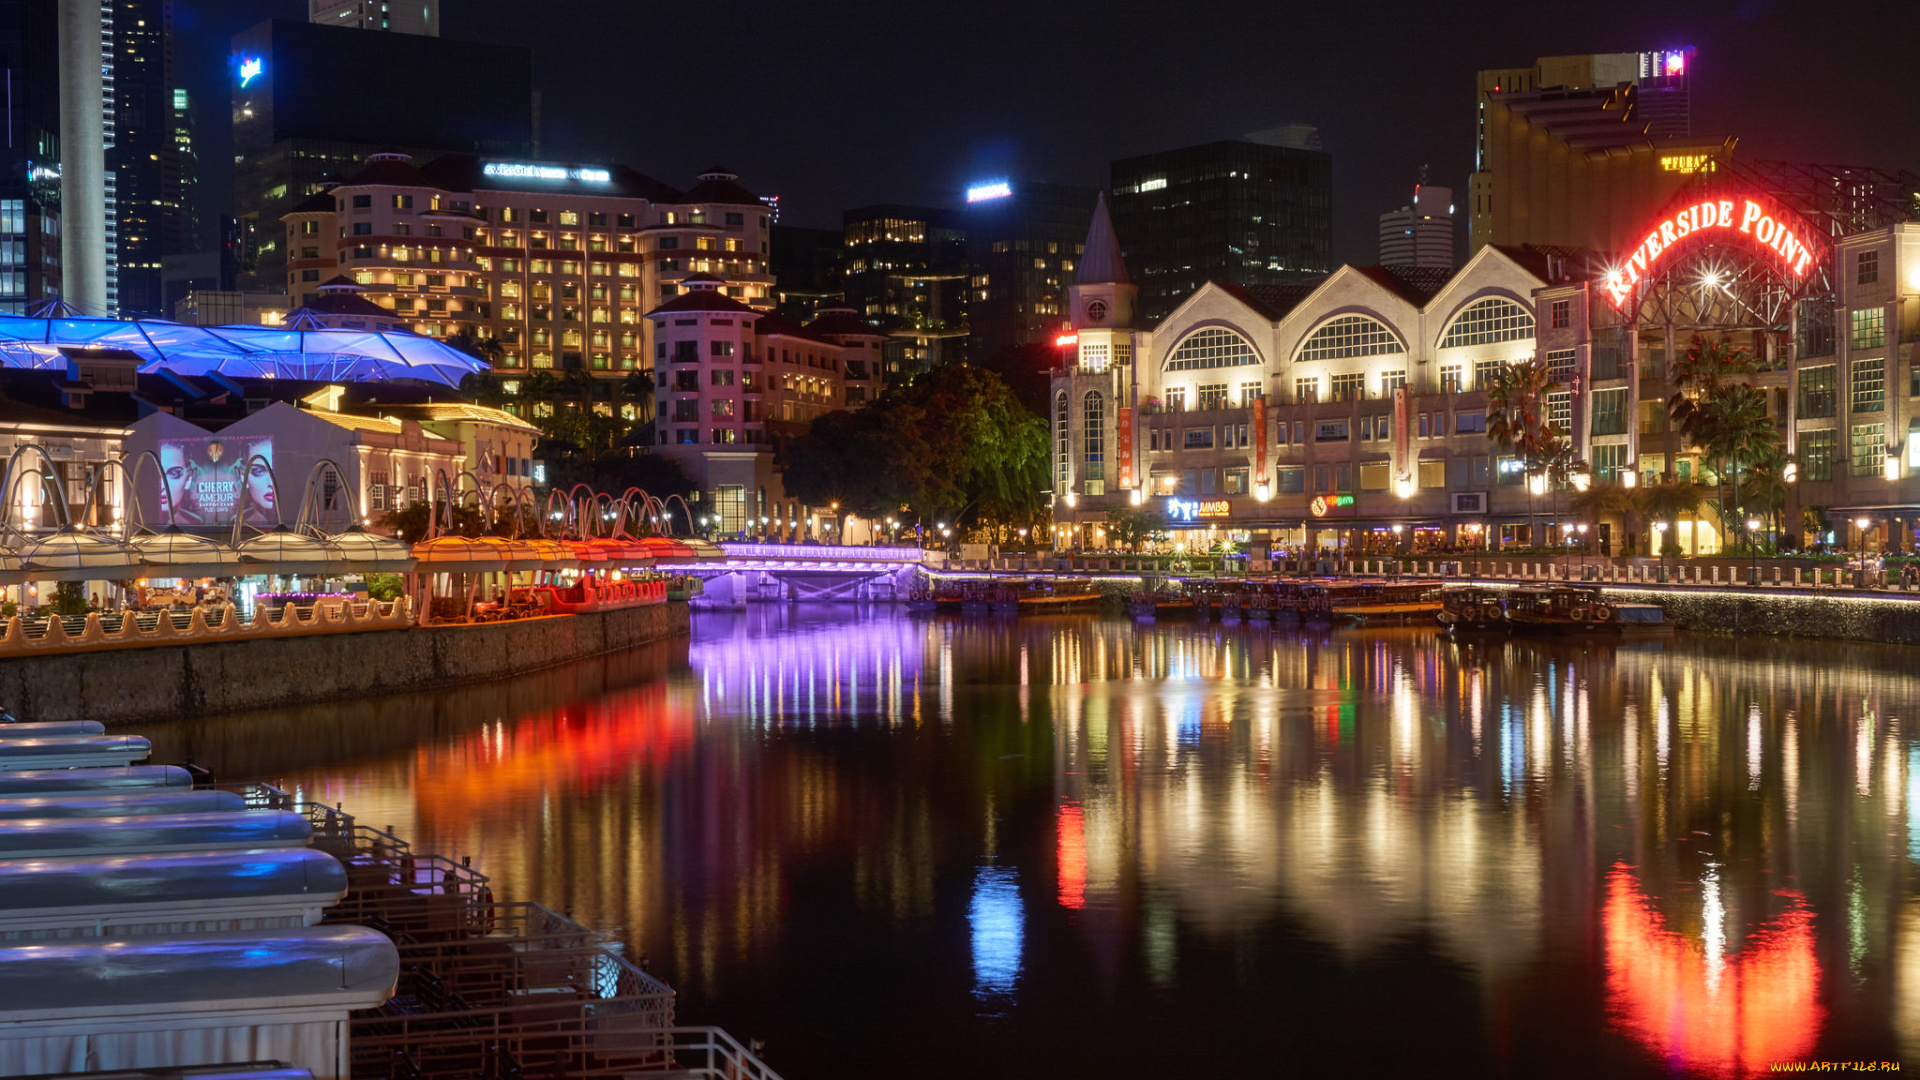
pixel 1421 232
pixel 1240 212
pixel 400 16
pixel 310 103
pixel 906 272
pixel 1023 242
pixel 30 160
pixel 145 196
pixel 1599 111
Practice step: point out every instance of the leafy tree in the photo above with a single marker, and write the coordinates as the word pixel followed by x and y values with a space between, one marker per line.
pixel 1667 501
pixel 1028 372
pixel 1517 421
pixel 1717 407
pixel 470 340
pixel 1133 527
pixel 1609 498
pixel 385 587
pixel 412 523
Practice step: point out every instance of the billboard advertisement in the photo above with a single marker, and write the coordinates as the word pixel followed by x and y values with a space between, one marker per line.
pixel 206 479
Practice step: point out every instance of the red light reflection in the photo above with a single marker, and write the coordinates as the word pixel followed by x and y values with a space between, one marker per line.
pixel 1072 857
pixel 1728 1017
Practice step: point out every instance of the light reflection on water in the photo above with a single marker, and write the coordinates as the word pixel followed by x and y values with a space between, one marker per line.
pixel 861 837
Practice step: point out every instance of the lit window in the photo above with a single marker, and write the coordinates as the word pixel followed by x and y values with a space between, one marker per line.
pixel 1486 321
pixel 1350 336
pixel 1211 348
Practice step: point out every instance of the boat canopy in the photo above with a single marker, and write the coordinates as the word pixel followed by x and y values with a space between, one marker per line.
pixel 125 779
pixel 69 751
pixel 337 968
pixel 194 877
pixel 40 728
pixel 35 837
pixel 97 806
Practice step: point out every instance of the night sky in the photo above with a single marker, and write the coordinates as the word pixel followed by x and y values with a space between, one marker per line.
pixel 836 105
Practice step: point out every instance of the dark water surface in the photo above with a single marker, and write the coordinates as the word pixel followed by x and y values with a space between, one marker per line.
pixel 1064 847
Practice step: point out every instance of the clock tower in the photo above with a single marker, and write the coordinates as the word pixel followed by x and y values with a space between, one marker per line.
pixel 1102 296
pixel 1095 462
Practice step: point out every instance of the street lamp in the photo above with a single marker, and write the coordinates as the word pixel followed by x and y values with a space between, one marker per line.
pixel 1861 524
pixel 1753 567
pixel 1660 545
pixel 1582 530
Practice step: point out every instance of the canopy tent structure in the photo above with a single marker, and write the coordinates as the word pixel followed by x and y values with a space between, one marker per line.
pixel 269 352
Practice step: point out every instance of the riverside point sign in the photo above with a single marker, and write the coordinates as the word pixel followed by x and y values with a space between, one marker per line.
pixel 1753 222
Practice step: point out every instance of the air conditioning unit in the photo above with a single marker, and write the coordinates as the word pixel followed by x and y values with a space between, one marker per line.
pixel 1469 502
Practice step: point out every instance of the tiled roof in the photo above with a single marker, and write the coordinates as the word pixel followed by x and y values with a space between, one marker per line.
pixel 320 202
pixel 776 324
pixel 1273 301
pixel 1101 263
pixel 389 173
pixel 451 411
pixel 719 191
pixel 703 300
pixel 1414 284
pixel 844 323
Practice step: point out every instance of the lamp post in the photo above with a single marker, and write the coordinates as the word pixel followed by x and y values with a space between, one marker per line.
pixel 1582 530
pixel 1397 528
pixel 1753 565
pixel 1789 475
pixel 1660 545
pixel 1861 523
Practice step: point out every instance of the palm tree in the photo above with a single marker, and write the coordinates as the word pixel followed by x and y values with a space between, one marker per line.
pixel 1517 419
pixel 1766 482
pixel 1697 376
pixel 469 340
pixel 1668 500
pixel 1609 497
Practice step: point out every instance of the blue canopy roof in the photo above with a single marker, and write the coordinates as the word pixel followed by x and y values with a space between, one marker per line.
pixel 267 352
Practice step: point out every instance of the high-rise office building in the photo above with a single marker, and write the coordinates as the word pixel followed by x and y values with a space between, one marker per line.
pixel 1239 212
pixel 182 230
pixel 1023 242
pixel 109 130
pixel 907 273
pixel 1420 233
pixel 807 268
pixel 1572 146
pixel 312 102
pixel 144 167
pixel 401 16
pixel 30 159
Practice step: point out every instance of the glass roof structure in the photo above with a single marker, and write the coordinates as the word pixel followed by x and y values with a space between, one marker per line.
pixel 265 352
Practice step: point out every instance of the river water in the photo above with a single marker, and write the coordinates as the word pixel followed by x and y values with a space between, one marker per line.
pixel 895 845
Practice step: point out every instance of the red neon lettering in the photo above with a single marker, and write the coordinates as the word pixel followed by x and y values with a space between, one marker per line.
pixel 1764 230
pixel 1683 222
pixel 1666 234
pixel 1726 214
pixel 1749 215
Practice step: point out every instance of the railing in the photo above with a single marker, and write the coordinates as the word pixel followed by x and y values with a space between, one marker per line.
pixel 822 552
pixel 40 635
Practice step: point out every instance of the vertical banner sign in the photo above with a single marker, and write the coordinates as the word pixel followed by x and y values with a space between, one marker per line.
pixel 1402 440
pixel 1260 440
pixel 1126 448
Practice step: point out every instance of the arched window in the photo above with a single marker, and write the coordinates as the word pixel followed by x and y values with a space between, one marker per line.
pixel 1211 348
pixel 1094 438
pixel 1486 321
pixel 1349 336
pixel 1063 447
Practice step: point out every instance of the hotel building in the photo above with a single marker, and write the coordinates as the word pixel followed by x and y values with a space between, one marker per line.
pixel 558 263
pixel 1350 412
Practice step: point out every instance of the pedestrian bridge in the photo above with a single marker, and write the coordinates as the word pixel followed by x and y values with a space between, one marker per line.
pixel 757 571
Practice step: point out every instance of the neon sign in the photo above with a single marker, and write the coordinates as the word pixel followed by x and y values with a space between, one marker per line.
pixel 1065 340
pixel 521 171
pixel 1323 503
pixel 1191 510
pixel 997 189
pixel 1742 217
pixel 250 69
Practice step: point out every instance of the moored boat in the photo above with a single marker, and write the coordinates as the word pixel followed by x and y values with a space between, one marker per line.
pixel 1399 601
pixel 1470 609
pixel 1572 609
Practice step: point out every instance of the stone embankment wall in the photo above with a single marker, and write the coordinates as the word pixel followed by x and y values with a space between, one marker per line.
pixel 1842 616
pixel 123 686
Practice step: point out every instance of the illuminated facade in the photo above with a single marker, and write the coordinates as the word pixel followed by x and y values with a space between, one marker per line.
pixel 1351 412
pixel 310 103
pixel 1580 150
pixel 558 264
pixel 1023 244
pixel 906 271
pixel 1420 233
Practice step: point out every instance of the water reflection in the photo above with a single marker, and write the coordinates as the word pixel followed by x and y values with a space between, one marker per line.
pixel 1007 837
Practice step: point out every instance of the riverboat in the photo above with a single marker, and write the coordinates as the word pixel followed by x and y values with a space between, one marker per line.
pixel 1472 609
pixel 1160 605
pixel 588 595
pixel 1569 609
pixel 1398 601
pixel 975 598
pixel 1042 598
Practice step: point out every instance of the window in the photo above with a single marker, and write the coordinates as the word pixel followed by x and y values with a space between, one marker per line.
pixel 1869 385
pixel 403 202
pixel 1330 431
pixel 1869 447
pixel 1609 460
pixel 718 377
pixel 1450 378
pixel 1869 328
pixel 1291 481
pixel 1198 438
pixel 1213 396
pixel 1485 371
pixel 1062 447
pixel 1382 426
pixel 1487 321
pixel 1093 434
pixel 1817 392
pixel 1350 336
pixel 720 348
pixel 1373 476
pixel 310 228
pixel 1306 391
pixel 1211 348
pixel 1234 481
pixel 1425 426
pixel 538 217
pixel 1816 453
pixel 363 228
pixel 363 202
pixel 1391 381
pixel 1249 394
pixel 1469 423
pixel 1867 268
pixel 724 435
pixel 1349 387
pixel 722 408
pixel 1610 412
pixel 1560 366
pixel 1560 314
pixel 1177 399
pixel 1432 474
pixel 1560 409
pixel 309 275
pixel 1611 351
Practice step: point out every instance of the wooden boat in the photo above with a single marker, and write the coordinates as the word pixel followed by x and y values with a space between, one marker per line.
pixel 1472 608
pixel 591 594
pixel 1160 605
pixel 1399 601
pixel 975 598
pixel 1569 609
pixel 1041 598
pixel 1232 603
pixel 920 598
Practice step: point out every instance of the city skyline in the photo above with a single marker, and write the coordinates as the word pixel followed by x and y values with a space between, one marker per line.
pixel 985 100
